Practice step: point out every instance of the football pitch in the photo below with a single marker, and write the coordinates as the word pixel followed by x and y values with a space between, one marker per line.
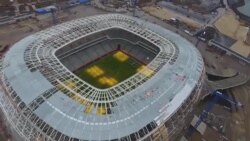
pixel 109 70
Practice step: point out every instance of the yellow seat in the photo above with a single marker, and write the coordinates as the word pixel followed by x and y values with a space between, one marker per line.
pixel 101 111
pixel 89 108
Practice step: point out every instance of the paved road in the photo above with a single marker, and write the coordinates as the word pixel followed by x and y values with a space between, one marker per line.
pixel 231 82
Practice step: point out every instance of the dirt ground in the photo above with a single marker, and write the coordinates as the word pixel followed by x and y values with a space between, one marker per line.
pixel 229 25
pixel 240 125
pixel 166 14
pixel 12 33
pixel 241 48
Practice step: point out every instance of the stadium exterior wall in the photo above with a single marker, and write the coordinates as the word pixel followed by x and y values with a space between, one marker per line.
pixel 167 131
pixel 29 126
pixel 7 123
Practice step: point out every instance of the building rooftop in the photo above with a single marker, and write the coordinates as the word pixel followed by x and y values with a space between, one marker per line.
pixel 42 82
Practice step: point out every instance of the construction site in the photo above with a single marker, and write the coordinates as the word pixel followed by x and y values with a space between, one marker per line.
pixel 215 107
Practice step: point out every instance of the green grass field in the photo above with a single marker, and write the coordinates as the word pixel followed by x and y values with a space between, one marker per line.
pixel 109 70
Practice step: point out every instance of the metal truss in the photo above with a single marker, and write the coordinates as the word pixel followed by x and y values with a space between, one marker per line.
pixel 40 55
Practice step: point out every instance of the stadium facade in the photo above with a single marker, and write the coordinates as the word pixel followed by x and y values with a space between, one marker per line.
pixel 42 99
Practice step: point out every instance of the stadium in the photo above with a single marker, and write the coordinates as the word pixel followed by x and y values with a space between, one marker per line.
pixel 105 77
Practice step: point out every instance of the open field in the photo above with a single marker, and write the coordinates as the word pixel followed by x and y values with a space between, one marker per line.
pixel 229 25
pixel 109 70
pixel 166 14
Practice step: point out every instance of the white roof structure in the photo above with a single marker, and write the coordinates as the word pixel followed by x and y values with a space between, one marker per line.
pixel 40 83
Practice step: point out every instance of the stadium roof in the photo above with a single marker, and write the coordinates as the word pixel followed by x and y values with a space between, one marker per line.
pixel 34 72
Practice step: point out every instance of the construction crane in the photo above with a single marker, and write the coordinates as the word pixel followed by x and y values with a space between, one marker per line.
pixel 216 95
pixel 134 3
pixel 53 15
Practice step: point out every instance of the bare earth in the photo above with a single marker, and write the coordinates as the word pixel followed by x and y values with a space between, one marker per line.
pixel 240 125
pixel 229 25
pixel 166 14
